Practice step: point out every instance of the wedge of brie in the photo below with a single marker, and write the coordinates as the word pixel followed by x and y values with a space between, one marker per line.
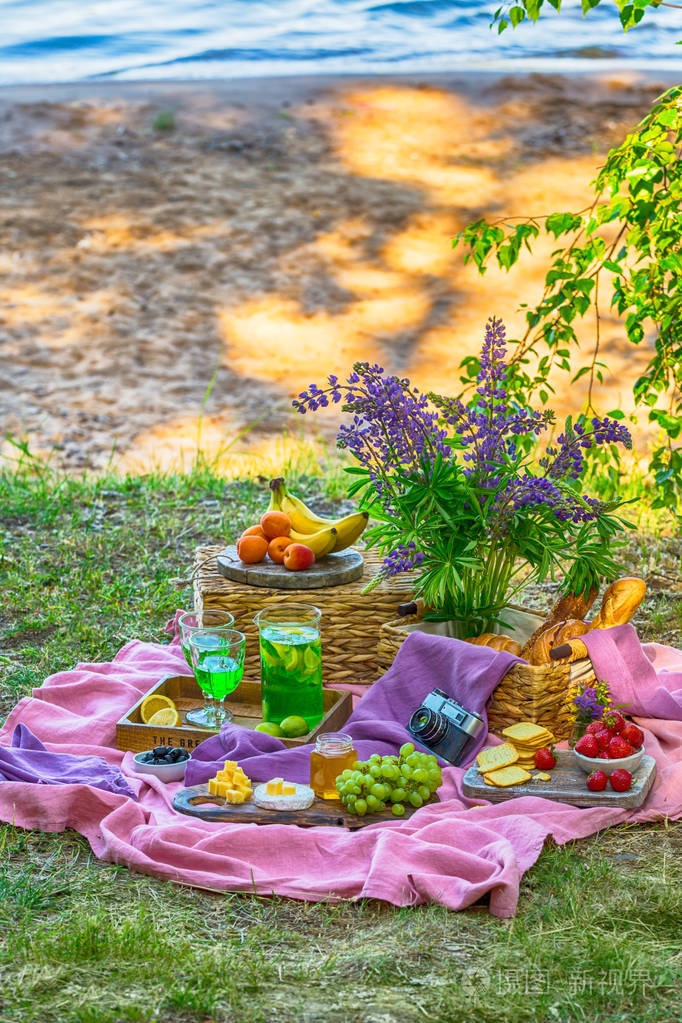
pixel 290 797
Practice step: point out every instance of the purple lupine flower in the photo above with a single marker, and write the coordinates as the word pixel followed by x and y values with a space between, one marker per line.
pixel 403 558
pixel 488 427
pixel 393 425
pixel 567 459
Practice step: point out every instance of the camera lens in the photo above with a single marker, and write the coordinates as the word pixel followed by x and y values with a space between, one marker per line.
pixel 428 725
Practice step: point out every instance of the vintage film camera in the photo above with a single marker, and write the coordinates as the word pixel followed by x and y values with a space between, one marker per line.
pixel 444 727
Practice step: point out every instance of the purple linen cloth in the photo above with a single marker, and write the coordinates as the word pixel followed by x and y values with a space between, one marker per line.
pixel 466 673
pixel 28 760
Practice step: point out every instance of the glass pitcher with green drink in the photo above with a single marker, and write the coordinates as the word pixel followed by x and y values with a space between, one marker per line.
pixel 291 665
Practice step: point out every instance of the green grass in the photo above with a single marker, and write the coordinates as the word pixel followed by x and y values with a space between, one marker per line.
pixel 86 564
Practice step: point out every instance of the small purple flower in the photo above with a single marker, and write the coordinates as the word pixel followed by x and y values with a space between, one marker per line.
pixel 588 704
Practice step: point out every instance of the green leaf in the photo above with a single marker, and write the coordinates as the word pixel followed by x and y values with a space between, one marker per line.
pixel 517 15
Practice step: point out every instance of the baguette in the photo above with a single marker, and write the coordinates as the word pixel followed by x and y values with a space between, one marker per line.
pixel 574 606
pixel 620 602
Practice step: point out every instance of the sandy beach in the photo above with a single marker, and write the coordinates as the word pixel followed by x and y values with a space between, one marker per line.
pixel 280 230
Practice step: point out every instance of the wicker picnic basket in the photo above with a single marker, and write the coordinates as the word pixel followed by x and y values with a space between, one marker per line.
pixel 538 693
pixel 350 623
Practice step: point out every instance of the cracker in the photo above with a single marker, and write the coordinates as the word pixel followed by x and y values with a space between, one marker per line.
pixel 508 776
pixel 526 731
pixel 496 756
pixel 543 776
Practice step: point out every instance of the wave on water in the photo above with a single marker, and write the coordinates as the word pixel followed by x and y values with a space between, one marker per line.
pixel 46 41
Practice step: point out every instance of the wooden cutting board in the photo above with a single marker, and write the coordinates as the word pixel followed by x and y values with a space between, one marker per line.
pixel 332 570
pixel 197 802
pixel 566 785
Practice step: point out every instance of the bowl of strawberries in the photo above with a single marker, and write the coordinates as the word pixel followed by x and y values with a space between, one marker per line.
pixel 610 744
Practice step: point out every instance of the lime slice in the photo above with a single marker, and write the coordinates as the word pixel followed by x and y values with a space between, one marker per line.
pixel 311 660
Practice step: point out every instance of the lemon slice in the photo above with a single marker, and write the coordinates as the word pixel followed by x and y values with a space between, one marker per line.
pixel 168 716
pixel 154 703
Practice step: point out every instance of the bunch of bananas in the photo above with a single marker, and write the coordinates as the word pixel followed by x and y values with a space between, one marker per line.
pixel 323 536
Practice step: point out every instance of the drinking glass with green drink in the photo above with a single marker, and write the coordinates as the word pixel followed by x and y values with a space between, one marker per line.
pixel 213 623
pixel 218 669
pixel 291 665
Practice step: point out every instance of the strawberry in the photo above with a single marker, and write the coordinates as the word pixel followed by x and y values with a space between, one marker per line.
pixel 545 758
pixel 596 782
pixel 619 748
pixel 620 780
pixel 587 746
pixel 594 727
pixel 633 734
pixel 604 738
pixel 602 755
pixel 614 719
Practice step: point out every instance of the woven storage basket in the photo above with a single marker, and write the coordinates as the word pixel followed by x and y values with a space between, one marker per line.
pixel 350 619
pixel 539 693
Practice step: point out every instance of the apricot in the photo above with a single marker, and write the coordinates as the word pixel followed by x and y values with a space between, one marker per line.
pixel 277 547
pixel 252 548
pixel 254 531
pixel 298 557
pixel 274 524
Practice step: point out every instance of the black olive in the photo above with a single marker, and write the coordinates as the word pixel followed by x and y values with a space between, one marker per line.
pixel 159 751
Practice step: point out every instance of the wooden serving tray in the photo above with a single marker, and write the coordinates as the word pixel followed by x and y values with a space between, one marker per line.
pixel 567 785
pixel 245 703
pixel 332 570
pixel 323 812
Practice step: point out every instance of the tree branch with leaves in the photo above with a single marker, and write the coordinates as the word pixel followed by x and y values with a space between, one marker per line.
pixel 627 244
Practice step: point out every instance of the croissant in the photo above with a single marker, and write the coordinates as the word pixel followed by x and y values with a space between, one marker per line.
pixel 570 607
pixel 496 642
pixel 555 635
pixel 573 650
pixel 620 602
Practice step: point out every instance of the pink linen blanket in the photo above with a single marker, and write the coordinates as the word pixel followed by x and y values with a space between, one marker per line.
pixel 454 852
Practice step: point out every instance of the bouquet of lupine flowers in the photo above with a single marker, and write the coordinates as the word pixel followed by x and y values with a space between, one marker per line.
pixel 459 493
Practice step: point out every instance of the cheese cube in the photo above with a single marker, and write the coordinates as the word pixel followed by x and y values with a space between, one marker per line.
pixel 274 787
pixel 236 796
pixel 230 783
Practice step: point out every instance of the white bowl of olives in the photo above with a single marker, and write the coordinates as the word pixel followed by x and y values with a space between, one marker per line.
pixel 167 763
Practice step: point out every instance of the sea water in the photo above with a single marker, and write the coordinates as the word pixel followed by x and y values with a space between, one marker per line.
pixel 48 41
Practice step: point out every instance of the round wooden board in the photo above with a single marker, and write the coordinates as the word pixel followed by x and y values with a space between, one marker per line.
pixel 333 570
pixel 196 802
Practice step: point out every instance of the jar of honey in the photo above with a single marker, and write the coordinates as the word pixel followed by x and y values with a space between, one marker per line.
pixel 333 753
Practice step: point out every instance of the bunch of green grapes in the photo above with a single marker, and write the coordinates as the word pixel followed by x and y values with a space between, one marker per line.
pixel 371 786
